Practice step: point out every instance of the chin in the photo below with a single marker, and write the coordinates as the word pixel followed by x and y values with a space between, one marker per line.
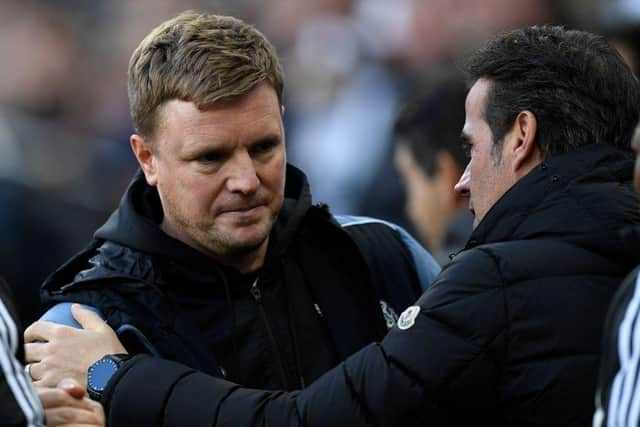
pixel 243 243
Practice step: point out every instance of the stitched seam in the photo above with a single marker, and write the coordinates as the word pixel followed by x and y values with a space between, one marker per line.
pixel 368 415
pixel 170 392
pixel 507 323
pixel 222 401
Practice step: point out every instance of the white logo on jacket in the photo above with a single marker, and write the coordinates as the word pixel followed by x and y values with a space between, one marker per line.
pixel 408 317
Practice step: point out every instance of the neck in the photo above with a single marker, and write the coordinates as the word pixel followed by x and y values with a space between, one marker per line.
pixel 243 261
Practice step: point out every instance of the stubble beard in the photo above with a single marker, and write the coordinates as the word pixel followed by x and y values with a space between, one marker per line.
pixel 221 244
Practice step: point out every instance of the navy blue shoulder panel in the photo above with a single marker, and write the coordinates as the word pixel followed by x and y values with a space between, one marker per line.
pixel 61 313
pixel 426 267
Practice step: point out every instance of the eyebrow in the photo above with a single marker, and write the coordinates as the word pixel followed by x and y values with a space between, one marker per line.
pixel 275 137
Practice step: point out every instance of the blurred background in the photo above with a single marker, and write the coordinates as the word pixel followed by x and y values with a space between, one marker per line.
pixel 350 66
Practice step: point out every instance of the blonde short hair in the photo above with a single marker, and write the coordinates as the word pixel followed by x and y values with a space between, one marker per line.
pixel 199 58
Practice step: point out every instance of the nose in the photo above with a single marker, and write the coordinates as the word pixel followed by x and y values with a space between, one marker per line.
pixel 462 187
pixel 243 178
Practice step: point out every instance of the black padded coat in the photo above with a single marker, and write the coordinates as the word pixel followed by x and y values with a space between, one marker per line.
pixel 508 335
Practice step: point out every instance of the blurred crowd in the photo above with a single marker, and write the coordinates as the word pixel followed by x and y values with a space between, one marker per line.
pixel 349 64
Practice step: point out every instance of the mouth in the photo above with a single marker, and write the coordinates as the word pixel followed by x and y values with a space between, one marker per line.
pixel 243 210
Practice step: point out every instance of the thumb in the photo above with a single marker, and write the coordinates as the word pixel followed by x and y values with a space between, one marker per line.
pixel 87 318
pixel 72 387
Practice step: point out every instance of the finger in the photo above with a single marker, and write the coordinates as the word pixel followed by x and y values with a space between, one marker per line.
pixel 27 368
pixel 35 352
pixel 87 318
pixel 81 425
pixel 45 382
pixel 72 387
pixel 41 330
pixel 55 397
pixel 64 416
pixel 37 373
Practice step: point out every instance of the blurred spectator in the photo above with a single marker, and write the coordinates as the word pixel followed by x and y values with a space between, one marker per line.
pixel 48 173
pixel 620 22
pixel 343 111
pixel 430 159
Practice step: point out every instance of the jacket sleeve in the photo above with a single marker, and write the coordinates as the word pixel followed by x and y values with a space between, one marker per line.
pixel 618 364
pixel 19 405
pixel 447 350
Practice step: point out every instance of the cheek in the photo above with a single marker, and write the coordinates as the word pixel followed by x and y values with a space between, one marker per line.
pixel 412 195
pixel 274 173
pixel 202 194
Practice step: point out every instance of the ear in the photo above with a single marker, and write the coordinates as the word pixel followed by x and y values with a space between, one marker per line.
pixel 146 158
pixel 525 152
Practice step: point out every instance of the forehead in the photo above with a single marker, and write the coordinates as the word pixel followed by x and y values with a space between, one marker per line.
pixel 256 112
pixel 477 96
pixel 475 107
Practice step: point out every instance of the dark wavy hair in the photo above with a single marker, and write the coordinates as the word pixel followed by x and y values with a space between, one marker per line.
pixel 578 87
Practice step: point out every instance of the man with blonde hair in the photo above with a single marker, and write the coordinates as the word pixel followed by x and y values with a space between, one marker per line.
pixel 216 257
pixel 509 332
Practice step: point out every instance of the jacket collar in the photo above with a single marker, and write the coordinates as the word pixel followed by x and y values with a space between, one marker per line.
pixel 531 199
pixel 135 224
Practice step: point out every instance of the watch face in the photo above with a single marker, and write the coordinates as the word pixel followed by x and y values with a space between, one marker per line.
pixel 100 373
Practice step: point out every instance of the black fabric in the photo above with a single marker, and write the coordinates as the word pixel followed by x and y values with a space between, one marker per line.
pixel 610 363
pixel 11 412
pixel 518 316
pixel 14 385
pixel 509 333
pixel 6 296
pixel 317 299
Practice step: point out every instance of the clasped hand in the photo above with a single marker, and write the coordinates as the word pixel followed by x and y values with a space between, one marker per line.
pixel 67 352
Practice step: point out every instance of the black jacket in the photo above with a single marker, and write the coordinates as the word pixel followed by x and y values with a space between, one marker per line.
pixel 324 292
pixel 508 334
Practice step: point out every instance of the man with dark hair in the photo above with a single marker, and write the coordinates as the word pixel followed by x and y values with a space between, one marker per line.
pixel 430 159
pixel 509 333
pixel 216 257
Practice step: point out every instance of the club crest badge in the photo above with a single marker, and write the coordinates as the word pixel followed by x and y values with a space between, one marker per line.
pixel 408 317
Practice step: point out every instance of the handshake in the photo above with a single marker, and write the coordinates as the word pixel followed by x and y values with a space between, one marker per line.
pixel 60 377
pixel 67 404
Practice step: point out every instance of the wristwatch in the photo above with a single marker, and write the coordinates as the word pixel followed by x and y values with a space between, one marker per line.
pixel 100 373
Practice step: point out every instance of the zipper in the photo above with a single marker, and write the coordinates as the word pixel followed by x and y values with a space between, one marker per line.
pixel 257 296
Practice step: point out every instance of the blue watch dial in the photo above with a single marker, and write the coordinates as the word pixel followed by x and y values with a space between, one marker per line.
pixel 100 373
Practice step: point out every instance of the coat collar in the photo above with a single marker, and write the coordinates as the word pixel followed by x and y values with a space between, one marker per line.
pixel 536 198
